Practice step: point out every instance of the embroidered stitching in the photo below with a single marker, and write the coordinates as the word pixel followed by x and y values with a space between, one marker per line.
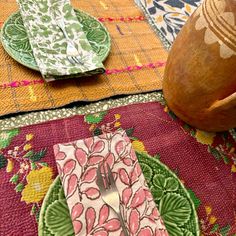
pixel 16 84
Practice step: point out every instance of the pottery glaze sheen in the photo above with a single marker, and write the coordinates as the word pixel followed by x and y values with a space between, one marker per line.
pixel 200 76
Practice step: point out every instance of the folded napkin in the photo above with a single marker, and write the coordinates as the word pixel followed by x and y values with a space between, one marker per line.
pixel 49 44
pixel 77 164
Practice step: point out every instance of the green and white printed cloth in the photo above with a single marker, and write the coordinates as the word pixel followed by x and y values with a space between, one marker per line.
pixel 43 20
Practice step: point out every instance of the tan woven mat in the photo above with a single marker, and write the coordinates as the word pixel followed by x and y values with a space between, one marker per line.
pixel 136 62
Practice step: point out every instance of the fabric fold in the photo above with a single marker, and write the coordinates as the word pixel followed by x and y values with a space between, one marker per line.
pixel 59 45
pixel 77 164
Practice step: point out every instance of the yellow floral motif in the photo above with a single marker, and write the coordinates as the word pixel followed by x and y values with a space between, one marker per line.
pixel 10 166
pixel 208 210
pixel 38 182
pixel 205 137
pixel 212 220
pixel 117 124
pixel 138 146
pixel 233 168
pixel 29 137
pixel 188 8
pixel 117 116
pixel 27 147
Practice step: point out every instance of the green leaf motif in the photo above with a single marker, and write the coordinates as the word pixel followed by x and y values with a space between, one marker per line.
pixel 173 229
pixel 38 155
pixel 175 208
pixel 157 193
pixel 215 153
pixel 226 159
pixel 129 132
pixel 3 161
pixel 19 187
pixel 16 31
pixel 225 230
pixel 215 228
pixel 159 181
pixel 147 171
pixel 29 154
pixel 95 118
pixel 7 136
pixel 165 184
pixel 97 132
pixel 43 164
pixel 171 184
pixel 14 179
pixel 58 219
pixel 33 210
pixel 187 233
pixel 33 166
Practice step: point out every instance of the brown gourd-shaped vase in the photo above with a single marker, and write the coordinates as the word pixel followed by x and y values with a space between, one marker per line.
pixel 200 76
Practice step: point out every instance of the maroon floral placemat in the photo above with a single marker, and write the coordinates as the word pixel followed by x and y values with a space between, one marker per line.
pixel 205 162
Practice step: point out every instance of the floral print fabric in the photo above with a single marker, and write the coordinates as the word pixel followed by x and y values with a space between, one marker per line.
pixel 77 164
pixel 169 16
pixel 204 162
pixel 49 44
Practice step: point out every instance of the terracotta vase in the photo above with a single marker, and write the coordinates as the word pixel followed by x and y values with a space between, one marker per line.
pixel 200 77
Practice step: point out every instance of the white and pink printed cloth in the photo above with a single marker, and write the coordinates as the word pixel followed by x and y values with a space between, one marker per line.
pixel 77 165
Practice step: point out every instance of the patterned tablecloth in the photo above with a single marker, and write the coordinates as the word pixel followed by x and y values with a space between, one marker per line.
pixel 205 162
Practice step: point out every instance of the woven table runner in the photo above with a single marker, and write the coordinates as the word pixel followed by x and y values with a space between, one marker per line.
pixel 204 162
pixel 136 62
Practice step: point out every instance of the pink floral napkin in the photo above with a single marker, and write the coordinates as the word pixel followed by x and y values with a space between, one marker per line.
pixel 77 164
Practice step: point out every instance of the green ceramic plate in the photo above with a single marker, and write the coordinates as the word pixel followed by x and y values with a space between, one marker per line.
pixel 173 200
pixel 15 41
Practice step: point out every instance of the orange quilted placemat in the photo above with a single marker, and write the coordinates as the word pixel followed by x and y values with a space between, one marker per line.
pixel 136 62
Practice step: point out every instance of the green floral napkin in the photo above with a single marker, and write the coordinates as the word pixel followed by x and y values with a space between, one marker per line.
pixel 42 20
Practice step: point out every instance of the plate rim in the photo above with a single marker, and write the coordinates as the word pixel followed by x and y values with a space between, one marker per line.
pixel 6 48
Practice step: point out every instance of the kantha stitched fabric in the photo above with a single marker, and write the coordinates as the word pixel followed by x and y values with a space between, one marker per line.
pixel 135 64
pixel 204 162
pixel 77 164
pixel 44 22
pixel 168 16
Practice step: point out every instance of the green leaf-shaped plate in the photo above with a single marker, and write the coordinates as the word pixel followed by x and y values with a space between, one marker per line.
pixel 175 204
pixel 15 41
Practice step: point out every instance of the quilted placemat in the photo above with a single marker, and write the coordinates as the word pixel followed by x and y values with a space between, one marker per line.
pixel 167 17
pixel 204 162
pixel 136 62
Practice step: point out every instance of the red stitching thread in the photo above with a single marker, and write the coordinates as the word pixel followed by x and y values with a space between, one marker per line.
pixel 124 19
pixel 136 67
pixel 16 84
pixel 111 19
